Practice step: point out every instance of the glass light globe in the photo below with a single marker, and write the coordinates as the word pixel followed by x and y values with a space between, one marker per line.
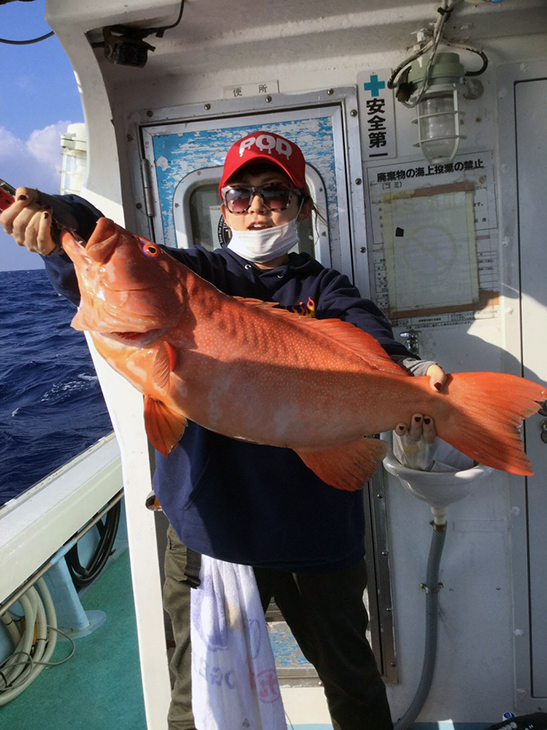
pixel 438 126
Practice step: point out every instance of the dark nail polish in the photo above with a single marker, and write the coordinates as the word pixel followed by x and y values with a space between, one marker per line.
pixel 417 419
pixel 22 197
pixel 438 386
pixel 427 421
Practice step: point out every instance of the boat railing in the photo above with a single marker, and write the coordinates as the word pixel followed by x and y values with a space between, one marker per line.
pixel 35 525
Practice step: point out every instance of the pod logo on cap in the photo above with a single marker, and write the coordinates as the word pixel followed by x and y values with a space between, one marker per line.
pixel 268 147
pixel 266 143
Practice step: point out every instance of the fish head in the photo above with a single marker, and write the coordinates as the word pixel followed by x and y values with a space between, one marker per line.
pixel 130 287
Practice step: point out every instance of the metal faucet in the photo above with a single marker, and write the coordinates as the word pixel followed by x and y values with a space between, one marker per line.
pixel 412 340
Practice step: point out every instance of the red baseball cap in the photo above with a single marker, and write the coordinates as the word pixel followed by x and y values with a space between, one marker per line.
pixel 269 147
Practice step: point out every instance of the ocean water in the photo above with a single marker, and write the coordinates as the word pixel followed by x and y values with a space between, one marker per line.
pixel 51 405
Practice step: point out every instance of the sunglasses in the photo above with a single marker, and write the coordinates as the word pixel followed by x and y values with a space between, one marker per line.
pixel 275 196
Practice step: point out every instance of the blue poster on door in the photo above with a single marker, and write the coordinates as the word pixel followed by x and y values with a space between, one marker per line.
pixel 181 151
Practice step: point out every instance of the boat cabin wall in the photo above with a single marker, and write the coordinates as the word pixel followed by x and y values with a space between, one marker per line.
pixel 487 643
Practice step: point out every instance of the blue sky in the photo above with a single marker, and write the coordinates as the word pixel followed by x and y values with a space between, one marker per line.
pixel 38 100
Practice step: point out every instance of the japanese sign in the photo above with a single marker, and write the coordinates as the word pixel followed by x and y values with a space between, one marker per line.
pixel 259 89
pixel 434 226
pixel 430 250
pixel 377 115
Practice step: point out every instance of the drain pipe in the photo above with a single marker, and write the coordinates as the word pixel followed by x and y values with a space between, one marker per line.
pixel 431 588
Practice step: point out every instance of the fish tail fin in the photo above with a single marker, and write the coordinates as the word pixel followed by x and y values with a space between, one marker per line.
pixel 347 466
pixel 488 411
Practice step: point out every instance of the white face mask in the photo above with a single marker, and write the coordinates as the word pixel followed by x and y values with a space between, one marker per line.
pixel 264 244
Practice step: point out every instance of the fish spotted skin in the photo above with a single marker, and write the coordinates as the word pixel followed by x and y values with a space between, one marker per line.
pixel 249 370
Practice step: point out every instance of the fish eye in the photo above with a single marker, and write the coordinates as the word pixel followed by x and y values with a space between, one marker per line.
pixel 150 249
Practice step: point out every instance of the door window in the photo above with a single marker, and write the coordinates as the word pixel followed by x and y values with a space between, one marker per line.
pixel 198 220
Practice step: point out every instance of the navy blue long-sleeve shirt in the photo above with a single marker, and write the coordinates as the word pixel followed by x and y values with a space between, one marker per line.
pixel 238 501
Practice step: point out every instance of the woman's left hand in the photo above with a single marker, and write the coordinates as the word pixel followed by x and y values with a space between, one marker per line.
pixel 422 426
pixel 437 377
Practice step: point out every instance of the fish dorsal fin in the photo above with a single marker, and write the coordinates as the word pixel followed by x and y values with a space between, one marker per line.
pixel 346 334
pixel 164 427
pixel 261 304
pixel 164 363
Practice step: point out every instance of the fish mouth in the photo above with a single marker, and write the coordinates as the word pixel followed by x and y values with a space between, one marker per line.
pixel 135 287
pixel 140 339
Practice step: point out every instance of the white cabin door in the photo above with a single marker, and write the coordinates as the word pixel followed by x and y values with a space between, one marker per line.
pixel 183 158
pixel 179 165
pixel 531 159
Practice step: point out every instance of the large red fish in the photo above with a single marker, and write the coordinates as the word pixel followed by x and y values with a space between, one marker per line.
pixel 249 370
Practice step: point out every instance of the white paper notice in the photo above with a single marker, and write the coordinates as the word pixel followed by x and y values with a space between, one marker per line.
pixel 430 249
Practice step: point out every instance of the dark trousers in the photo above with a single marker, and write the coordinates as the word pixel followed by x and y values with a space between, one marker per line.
pixel 327 616
pixel 176 601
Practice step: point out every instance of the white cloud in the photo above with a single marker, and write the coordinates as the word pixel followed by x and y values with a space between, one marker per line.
pixel 10 146
pixel 35 162
pixel 44 145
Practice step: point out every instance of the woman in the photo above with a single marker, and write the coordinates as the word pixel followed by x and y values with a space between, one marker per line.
pixel 247 503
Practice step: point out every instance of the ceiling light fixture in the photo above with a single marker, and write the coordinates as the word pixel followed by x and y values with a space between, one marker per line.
pixel 437 111
pixel 430 82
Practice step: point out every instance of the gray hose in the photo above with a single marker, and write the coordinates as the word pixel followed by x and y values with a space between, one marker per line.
pixel 431 587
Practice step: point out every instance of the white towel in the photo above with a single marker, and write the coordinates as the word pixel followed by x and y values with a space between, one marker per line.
pixel 234 681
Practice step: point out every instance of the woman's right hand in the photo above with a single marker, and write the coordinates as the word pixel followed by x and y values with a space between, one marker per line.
pixel 28 221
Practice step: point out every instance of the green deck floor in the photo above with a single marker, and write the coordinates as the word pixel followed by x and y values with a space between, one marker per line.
pixel 100 687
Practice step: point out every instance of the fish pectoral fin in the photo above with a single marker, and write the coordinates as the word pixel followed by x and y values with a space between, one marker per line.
pixel 164 364
pixel 347 466
pixel 164 427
